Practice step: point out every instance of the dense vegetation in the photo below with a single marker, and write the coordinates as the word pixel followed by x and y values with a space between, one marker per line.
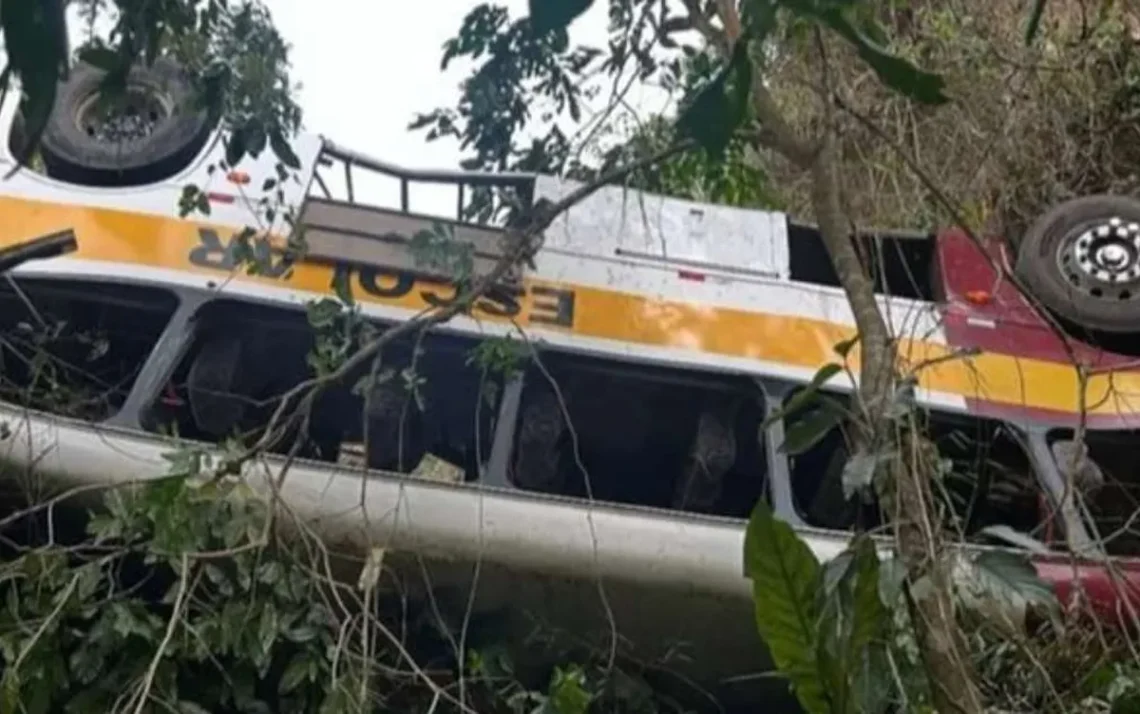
pixel 194 593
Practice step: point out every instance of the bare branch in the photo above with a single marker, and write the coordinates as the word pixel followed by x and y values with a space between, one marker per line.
pixel 525 240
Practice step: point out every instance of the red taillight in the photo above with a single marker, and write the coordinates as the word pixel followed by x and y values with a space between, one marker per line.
pixel 979 297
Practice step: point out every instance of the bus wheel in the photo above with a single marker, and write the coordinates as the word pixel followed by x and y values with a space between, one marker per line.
pixel 395 430
pixel 1082 261
pixel 148 133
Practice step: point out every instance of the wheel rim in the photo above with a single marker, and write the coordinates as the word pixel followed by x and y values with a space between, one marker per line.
pixel 1102 259
pixel 133 116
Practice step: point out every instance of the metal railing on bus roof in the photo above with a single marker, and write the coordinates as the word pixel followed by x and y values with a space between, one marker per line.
pixel 522 182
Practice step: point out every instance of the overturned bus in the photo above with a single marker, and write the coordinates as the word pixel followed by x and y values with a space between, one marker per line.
pixel 609 473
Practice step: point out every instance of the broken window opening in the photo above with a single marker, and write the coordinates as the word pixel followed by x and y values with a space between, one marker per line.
pixel 989 480
pixel 421 413
pixel 817 474
pixel 985 478
pixel 1106 480
pixel 75 348
pixel 900 265
pixel 645 436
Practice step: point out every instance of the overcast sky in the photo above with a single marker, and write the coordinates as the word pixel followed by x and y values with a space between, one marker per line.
pixel 368 66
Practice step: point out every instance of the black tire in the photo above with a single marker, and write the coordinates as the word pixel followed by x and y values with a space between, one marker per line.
pixel 1082 261
pixel 178 132
pixel 538 458
pixel 214 385
pixel 395 430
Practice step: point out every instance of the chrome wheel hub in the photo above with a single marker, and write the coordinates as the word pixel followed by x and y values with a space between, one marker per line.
pixel 130 117
pixel 1103 259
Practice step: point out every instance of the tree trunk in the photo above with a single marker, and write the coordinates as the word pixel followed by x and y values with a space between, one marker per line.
pixel 945 655
pixel 877 363
pixel 919 540
pixel 917 535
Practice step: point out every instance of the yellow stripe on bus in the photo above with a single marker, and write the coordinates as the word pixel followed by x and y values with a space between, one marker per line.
pixel 146 240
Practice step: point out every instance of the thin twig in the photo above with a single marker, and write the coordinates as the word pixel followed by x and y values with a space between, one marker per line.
pixel 524 245
pixel 175 615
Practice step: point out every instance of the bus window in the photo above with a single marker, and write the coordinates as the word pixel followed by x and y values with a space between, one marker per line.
pixel 638 435
pixel 1107 480
pixel 246 356
pixel 75 348
pixel 986 480
pixel 817 477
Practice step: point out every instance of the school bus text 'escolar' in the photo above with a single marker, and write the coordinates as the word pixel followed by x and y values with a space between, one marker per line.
pixel 534 303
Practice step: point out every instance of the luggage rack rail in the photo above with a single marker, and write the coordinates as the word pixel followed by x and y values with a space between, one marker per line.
pixel 376 234
pixel 332 154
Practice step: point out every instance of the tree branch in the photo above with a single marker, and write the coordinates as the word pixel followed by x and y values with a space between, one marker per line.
pixel 713 35
pixel 775 132
pixel 959 220
pixel 524 245
pixel 916 533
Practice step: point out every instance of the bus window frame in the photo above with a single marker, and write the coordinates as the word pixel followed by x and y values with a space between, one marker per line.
pixel 179 334
pixel 1077 511
pixel 129 413
pixel 156 371
pixel 1032 437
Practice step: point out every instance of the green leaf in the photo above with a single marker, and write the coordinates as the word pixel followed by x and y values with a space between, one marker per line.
pixel 302 634
pixel 255 138
pixel 806 396
pixel 1016 538
pixel 323 313
pixel 1000 586
pixel 342 286
pixel 296 672
pixel 785 576
pixel 720 107
pixel 282 150
pixel 267 630
pixel 809 430
pixel 868 616
pixel 844 347
pixel 852 618
pixel 235 147
pixel 902 76
pixel 549 15
pixel 1033 24
pixel 36 42
pixel 269 573
pixel 835 571
pixel 875 687
pixel 567 693
pixel 892 575
pixel 102 58
pixel 1015 573
pixel 10 691
pixel 860 469
pixel 893 71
